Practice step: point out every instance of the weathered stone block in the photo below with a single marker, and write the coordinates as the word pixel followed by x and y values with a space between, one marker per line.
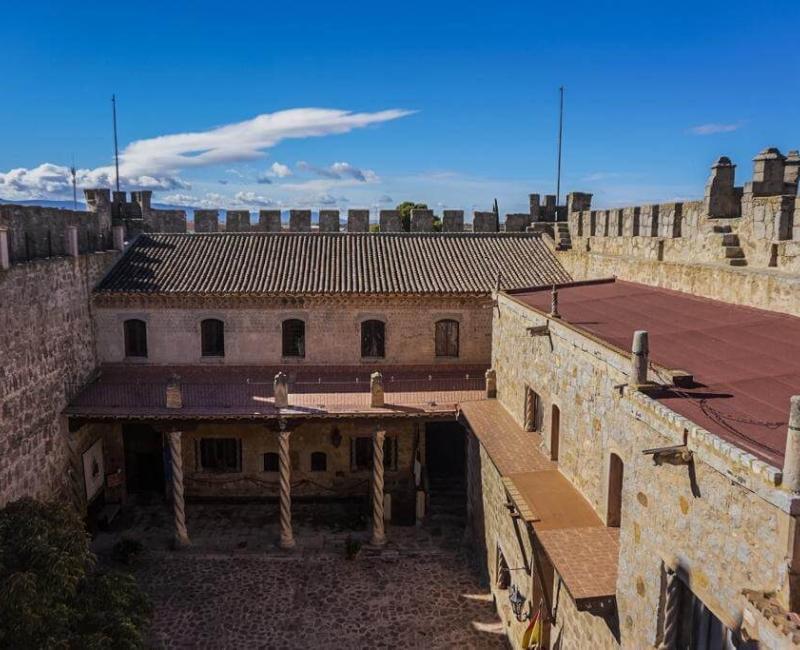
pixel 299 220
pixel 517 222
pixel 206 220
pixel 484 222
pixel 421 220
pixel 390 221
pixel 329 221
pixel 269 220
pixel 453 221
pixel 358 221
pixel 237 221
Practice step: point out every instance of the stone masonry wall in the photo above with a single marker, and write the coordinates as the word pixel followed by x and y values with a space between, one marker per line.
pixel 333 331
pixel 47 351
pixel 725 536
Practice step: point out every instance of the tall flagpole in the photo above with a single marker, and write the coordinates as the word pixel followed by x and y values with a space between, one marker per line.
pixel 116 150
pixel 560 132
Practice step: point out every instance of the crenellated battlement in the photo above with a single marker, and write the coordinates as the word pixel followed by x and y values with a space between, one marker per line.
pixel 756 224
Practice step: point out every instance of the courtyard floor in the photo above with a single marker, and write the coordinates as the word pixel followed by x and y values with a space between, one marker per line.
pixel 235 589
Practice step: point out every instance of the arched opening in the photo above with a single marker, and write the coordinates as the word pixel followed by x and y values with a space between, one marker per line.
pixel 373 339
pixel 616 469
pixel 503 575
pixel 212 338
pixel 319 461
pixel 555 430
pixel 135 338
pixel 447 338
pixel 294 338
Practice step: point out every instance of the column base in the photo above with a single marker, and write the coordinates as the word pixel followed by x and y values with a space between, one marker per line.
pixel 286 543
pixel 378 541
pixel 179 543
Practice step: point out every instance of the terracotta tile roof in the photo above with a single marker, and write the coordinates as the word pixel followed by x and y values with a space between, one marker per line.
pixel 239 392
pixel 745 361
pixel 332 263
pixel 583 551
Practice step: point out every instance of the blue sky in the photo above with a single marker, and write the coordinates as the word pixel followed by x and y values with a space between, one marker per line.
pixel 451 103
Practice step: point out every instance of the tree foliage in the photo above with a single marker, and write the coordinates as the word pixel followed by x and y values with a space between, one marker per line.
pixel 51 594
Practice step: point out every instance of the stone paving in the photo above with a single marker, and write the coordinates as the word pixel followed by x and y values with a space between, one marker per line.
pixel 235 589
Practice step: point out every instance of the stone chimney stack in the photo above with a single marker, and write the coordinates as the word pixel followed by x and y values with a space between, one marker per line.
pixel 768 172
pixel 174 394
pixel 791 170
pixel 720 198
pixel 640 358
pixel 491 383
pixel 376 390
pixel 791 460
pixel 281 391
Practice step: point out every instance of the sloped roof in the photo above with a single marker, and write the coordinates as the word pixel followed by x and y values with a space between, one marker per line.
pixel 332 263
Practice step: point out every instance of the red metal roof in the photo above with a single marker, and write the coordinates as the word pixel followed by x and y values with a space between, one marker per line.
pixel 745 361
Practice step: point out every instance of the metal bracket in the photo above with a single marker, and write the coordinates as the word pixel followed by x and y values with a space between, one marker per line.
pixel 538 330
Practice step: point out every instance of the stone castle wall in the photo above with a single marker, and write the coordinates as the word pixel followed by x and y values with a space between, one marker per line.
pixel 333 331
pixel 728 534
pixel 48 352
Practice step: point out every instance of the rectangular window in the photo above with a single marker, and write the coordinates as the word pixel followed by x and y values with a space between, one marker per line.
pixel 447 338
pixel 698 627
pixel 361 452
pixel 220 455
pixel 135 338
pixel 533 410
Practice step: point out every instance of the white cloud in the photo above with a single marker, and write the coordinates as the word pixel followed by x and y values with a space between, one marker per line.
pixel 279 170
pixel 340 170
pixel 715 127
pixel 155 163
pixel 251 199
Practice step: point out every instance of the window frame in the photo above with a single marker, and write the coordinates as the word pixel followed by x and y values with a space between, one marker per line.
pixel 373 338
pixel 443 335
pixel 219 442
pixel 533 414
pixel 130 340
pixel 390 448
pixel 299 352
pixel 317 455
pixel 206 347
pixel 272 455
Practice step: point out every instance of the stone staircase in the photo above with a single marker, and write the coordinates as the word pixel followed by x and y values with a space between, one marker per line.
pixel 561 235
pixel 448 502
pixel 731 247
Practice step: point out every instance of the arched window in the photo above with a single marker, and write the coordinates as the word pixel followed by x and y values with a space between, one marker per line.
pixel 373 338
pixel 555 431
pixel 447 338
pixel 294 338
pixel 319 461
pixel 271 462
pixel 135 338
pixel 212 337
pixel 616 469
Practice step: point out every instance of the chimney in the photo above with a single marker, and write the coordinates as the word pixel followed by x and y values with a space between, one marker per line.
pixel 640 358
pixel 376 390
pixel 71 240
pixel 791 460
pixel 491 383
pixel 281 391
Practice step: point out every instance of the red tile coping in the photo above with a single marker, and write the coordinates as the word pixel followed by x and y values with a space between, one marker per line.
pixel 745 361
pixel 583 551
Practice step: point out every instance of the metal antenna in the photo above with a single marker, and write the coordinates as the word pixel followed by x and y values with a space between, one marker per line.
pixel 74 185
pixel 116 150
pixel 560 132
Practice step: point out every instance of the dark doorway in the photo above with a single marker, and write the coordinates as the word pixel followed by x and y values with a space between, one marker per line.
pixel 445 449
pixel 144 459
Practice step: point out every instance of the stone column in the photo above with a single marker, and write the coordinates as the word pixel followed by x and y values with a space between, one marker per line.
pixel 287 539
pixel 378 531
pixel 672 608
pixel 640 358
pixel 71 241
pixel 181 535
pixel 791 459
pixel 118 237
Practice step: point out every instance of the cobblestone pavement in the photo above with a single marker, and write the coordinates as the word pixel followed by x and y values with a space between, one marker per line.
pixel 234 588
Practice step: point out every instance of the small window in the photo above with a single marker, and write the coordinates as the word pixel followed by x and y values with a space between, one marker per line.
pixel 533 410
pixel 373 338
pixel 555 431
pixel 212 335
pixel 220 455
pixel 271 462
pixel 447 338
pixel 319 461
pixel 616 470
pixel 361 452
pixel 135 338
pixel 502 574
pixel 294 338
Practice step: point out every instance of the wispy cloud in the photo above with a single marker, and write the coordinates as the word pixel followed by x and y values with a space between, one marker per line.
pixel 715 127
pixel 157 163
pixel 339 170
